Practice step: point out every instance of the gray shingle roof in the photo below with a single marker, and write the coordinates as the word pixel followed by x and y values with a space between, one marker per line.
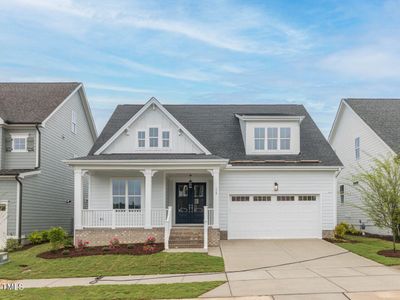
pixel 217 128
pixel 383 116
pixel 32 102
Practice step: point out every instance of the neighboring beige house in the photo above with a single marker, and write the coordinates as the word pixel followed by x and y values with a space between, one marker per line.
pixel 194 174
pixel 363 129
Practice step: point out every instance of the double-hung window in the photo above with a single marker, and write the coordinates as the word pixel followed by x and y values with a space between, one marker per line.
pixel 259 138
pixel 357 147
pixel 153 137
pixel 165 139
pixel 141 135
pixel 341 193
pixel 19 143
pixel 272 138
pixel 285 138
pixel 126 193
pixel 74 122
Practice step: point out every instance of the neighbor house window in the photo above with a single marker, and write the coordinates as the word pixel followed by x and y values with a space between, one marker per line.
pixel 285 138
pixel 165 139
pixel 141 139
pixel 357 147
pixel 341 193
pixel 153 137
pixel 74 122
pixel 126 193
pixel 19 143
pixel 272 138
pixel 259 138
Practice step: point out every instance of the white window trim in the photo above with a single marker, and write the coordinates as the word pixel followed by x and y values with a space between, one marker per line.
pixel 140 179
pixel 278 150
pixel 74 122
pixel 147 147
pixel 20 136
pixel 265 139
pixel 169 139
pixel 137 139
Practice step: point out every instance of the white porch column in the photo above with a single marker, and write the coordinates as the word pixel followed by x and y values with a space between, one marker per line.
pixel 215 174
pixel 78 199
pixel 148 175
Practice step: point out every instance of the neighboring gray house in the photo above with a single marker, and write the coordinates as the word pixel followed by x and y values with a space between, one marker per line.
pixel 364 129
pixel 41 124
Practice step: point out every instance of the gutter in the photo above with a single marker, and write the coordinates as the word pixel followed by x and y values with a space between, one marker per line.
pixel 19 233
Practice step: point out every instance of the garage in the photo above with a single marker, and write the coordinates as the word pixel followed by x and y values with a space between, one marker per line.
pixel 274 216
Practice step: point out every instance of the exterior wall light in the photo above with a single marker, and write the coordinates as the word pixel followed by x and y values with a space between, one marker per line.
pixel 276 187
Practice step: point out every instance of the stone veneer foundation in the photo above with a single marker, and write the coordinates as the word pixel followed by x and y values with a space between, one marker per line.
pixel 328 234
pixel 102 236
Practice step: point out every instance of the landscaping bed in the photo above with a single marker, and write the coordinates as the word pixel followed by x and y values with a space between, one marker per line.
pixel 131 249
pixel 389 253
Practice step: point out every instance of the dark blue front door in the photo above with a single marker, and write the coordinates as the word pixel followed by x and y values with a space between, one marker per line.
pixel 190 202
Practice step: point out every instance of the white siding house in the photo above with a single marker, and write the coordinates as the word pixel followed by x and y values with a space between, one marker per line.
pixel 232 172
pixel 357 144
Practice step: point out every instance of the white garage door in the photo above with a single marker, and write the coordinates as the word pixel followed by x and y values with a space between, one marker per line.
pixel 274 217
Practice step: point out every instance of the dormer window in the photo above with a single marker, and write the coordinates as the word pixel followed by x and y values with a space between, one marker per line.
pixel 285 138
pixel 259 138
pixel 141 139
pixel 19 142
pixel 272 138
pixel 153 137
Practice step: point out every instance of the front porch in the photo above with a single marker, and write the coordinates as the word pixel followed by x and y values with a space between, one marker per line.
pixel 133 203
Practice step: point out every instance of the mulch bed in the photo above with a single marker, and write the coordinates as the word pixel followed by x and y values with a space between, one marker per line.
pixel 335 240
pixel 133 249
pixel 389 253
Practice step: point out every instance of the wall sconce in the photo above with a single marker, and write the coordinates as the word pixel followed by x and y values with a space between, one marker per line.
pixel 276 187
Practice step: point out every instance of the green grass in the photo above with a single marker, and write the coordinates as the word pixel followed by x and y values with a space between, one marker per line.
pixel 368 247
pixel 140 291
pixel 160 263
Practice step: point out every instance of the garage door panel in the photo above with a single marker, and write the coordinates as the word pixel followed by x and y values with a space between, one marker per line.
pixel 274 219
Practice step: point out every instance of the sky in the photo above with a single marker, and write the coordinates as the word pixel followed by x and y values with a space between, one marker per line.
pixel 206 52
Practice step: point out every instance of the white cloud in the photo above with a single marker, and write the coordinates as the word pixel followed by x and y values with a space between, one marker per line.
pixel 116 88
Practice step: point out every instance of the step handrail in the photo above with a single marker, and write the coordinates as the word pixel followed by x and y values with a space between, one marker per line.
pixel 167 227
pixel 205 227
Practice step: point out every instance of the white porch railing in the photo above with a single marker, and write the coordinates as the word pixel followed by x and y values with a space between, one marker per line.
pixel 167 228
pixel 114 218
pixel 210 217
pixel 205 227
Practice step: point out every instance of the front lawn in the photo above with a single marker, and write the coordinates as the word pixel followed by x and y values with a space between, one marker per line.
pixel 25 265
pixel 140 291
pixel 368 247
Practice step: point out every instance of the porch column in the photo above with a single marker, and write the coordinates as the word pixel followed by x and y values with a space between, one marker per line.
pixel 148 175
pixel 215 174
pixel 78 199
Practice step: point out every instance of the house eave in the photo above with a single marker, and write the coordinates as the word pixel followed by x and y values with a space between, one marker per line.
pixel 230 167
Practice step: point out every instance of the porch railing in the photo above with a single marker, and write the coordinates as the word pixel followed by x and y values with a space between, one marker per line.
pixel 167 228
pixel 117 218
pixel 205 227
pixel 210 217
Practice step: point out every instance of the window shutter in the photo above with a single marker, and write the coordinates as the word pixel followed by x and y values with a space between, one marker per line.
pixel 8 143
pixel 31 142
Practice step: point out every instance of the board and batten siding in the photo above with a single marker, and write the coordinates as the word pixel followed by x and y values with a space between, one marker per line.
pixel 235 182
pixel 8 192
pixel 128 142
pixel 20 160
pixel 48 197
pixel 349 126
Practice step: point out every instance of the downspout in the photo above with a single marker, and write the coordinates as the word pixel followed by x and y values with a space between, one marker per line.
pixel 39 146
pixel 20 209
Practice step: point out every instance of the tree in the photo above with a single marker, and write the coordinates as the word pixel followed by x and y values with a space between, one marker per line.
pixel 380 193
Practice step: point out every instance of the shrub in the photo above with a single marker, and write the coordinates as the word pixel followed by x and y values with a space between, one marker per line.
pixel 114 243
pixel 130 246
pixel 82 245
pixel 150 240
pixel 340 230
pixel 35 237
pixel 12 245
pixel 65 252
pixel 149 248
pixel 354 231
pixel 68 243
pixel 45 236
pixel 106 249
pixel 57 237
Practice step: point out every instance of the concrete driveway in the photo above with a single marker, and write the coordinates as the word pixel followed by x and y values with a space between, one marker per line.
pixel 313 268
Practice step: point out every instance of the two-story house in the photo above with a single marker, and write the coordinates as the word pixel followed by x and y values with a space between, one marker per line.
pixel 41 124
pixel 194 174
pixel 364 129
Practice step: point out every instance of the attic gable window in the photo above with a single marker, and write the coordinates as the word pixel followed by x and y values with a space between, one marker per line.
pixel 153 137
pixel 141 139
pixel 259 138
pixel 165 139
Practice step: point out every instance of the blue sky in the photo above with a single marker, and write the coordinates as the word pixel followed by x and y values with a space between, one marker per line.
pixel 308 52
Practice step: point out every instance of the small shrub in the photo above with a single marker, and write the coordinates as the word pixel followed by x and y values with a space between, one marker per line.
pixel 82 245
pixel 45 236
pixel 106 249
pixel 65 252
pixel 57 237
pixel 114 243
pixel 130 246
pixel 150 240
pixel 149 248
pixel 68 243
pixel 35 237
pixel 12 245
pixel 340 230
pixel 354 231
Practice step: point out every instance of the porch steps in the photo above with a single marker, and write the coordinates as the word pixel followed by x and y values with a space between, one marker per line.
pixel 186 237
